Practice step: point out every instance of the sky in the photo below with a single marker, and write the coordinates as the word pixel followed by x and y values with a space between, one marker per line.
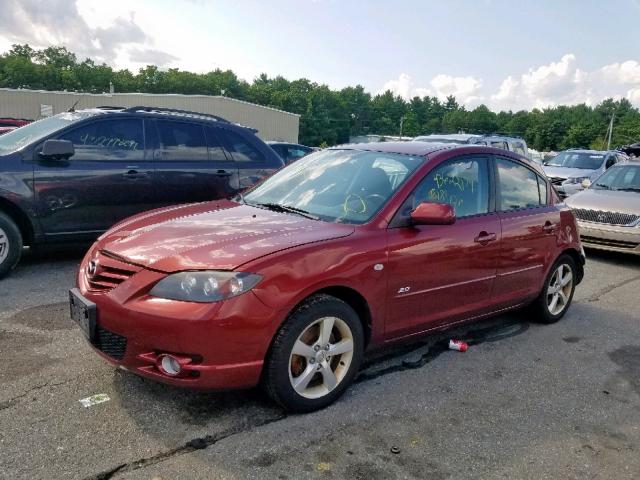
pixel 509 55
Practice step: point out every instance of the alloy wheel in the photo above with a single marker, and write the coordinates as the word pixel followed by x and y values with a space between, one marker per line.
pixel 321 357
pixel 559 289
pixel 4 246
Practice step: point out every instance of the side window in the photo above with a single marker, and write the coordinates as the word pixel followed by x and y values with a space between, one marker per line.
pixel 501 145
pixel 295 153
pixel 611 161
pixel 241 149
pixel 214 143
pixel 518 148
pixel 542 189
pixel 517 186
pixel 182 141
pixel 116 139
pixel 460 182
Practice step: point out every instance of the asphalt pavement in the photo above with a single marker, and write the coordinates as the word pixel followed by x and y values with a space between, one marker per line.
pixel 525 401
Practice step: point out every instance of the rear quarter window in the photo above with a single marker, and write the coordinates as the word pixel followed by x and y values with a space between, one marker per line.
pixel 242 149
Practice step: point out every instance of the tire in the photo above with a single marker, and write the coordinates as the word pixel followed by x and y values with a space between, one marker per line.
pixel 10 244
pixel 547 310
pixel 320 377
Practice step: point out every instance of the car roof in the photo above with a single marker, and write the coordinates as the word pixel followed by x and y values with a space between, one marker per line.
pixel 164 112
pixel 406 148
pixel 586 150
pixel 427 148
pixel 462 137
pixel 277 142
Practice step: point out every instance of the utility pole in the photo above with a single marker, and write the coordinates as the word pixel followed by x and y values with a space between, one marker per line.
pixel 610 131
pixel 401 122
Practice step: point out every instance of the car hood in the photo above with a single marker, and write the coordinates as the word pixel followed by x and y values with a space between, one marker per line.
pixel 565 172
pixel 606 201
pixel 212 235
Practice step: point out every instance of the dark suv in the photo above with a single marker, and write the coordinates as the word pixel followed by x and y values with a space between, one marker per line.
pixel 69 177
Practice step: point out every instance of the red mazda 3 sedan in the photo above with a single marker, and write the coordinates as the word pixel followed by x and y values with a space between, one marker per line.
pixel 347 249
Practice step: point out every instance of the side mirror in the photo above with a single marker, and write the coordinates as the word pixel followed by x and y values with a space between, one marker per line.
pixel 57 150
pixel 430 213
pixel 586 183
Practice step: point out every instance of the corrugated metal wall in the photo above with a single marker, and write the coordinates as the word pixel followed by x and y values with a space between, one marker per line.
pixel 271 124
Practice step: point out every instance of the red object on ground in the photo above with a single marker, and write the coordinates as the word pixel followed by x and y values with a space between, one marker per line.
pixel 458 345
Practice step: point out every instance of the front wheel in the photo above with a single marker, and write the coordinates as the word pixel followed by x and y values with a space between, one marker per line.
pixel 557 293
pixel 10 244
pixel 315 355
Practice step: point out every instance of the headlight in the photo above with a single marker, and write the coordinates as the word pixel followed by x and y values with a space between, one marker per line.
pixel 204 287
pixel 575 180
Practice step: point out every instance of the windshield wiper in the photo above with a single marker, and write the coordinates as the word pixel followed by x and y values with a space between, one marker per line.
pixel 602 185
pixel 276 207
pixel 628 189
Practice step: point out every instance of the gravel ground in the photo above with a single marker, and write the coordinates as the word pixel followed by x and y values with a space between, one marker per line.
pixel 526 400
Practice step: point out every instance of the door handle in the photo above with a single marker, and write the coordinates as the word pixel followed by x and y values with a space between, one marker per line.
pixel 133 174
pixel 483 238
pixel 223 173
pixel 548 227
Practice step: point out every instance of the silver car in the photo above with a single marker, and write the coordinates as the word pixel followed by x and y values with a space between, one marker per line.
pixel 608 211
pixel 570 168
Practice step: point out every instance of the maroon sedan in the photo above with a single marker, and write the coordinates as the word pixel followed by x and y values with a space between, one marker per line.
pixel 344 250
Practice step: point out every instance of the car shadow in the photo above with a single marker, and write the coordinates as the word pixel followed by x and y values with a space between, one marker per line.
pixel 172 413
pixel 616 258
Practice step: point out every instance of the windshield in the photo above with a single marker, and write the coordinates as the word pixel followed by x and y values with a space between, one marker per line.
pixel 584 160
pixel 619 178
pixel 347 186
pixel 23 136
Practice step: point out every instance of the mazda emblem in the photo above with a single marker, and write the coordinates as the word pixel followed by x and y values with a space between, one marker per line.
pixel 92 268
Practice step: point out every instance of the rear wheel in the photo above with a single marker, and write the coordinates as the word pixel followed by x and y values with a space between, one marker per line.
pixel 315 355
pixel 10 244
pixel 557 293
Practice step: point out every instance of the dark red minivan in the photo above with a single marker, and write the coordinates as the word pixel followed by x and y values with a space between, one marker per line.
pixel 347 249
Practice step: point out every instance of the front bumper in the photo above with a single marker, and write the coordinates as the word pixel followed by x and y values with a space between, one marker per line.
pixel 223 344
pixel 610 237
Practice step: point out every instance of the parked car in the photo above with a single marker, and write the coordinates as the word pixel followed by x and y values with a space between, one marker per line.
pixel 9 124
pixel 347 249
pixel 608 210
pixel 290 152
pixel 513 144
pixel 570 168
pixel 69 177
pixel 14 122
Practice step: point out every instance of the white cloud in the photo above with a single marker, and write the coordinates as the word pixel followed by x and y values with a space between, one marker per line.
pixel 465 89
pixel 564 83
pixel 560 82
pixel 60 22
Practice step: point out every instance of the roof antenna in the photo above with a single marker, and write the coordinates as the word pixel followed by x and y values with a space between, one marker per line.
pixel 73 107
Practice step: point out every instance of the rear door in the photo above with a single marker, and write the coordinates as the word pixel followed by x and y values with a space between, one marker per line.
pixel 109 177
pixel 439 274
pixel 192 164
pixel 530 224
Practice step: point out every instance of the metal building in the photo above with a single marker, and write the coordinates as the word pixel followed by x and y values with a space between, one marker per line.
pixel 272 124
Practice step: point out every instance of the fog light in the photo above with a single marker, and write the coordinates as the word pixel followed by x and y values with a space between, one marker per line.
pixel 170 365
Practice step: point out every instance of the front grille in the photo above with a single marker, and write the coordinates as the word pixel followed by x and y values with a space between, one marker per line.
pixel 109 272
pixel 610 218
pixel 110 343
pixel 557 180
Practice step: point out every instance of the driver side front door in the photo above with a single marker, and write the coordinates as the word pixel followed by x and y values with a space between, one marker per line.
pixel 441 274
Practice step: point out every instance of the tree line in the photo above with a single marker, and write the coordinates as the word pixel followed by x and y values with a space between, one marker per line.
pixel 330 117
